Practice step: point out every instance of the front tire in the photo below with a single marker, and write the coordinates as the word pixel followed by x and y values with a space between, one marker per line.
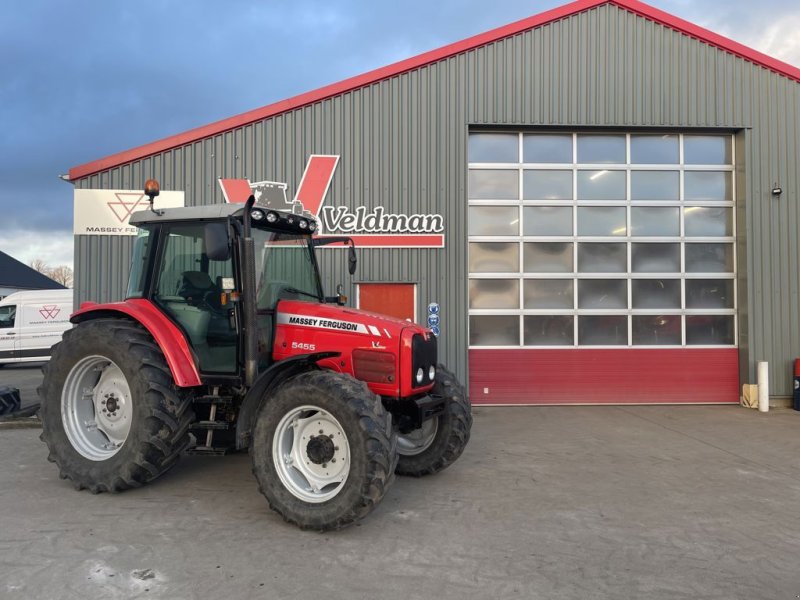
pixel 441 440
pixel 323 450
pixel 111 416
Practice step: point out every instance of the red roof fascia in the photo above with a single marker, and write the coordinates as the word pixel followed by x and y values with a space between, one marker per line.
pixel 352 83
pixel 709 37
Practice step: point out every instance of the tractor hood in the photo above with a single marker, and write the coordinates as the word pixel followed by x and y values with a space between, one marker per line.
pixel 381 350
pixel 340 319
pixel 385 352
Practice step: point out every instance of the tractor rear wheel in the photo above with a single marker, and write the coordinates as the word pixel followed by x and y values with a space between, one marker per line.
pixel 111 416
pixel 441 440
pixel 323 450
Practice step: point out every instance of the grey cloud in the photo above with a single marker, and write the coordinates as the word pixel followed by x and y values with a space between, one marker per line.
pixel 84 79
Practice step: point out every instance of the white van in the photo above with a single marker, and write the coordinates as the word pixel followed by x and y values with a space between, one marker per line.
pixel 31 322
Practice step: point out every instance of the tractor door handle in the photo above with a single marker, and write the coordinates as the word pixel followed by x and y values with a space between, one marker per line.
pixel 11 333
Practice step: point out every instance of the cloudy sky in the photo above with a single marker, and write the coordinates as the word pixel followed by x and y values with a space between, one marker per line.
pixel 83 79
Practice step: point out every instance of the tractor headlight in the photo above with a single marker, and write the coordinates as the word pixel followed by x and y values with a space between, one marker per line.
pixel 312 225
pixel 303 224
pixel 431 372
pixel 256 214
pixel 272 217
pixel 420 375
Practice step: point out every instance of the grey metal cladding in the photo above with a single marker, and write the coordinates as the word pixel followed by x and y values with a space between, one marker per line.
pixel 403 144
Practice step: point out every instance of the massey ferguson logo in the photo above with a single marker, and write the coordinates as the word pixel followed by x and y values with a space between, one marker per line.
pixel 49 311
pixel 318 323
pixel 376 228
pixel 107 212
pixel 125 205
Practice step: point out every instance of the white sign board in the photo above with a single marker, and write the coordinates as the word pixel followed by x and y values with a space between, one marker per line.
pixel 106 212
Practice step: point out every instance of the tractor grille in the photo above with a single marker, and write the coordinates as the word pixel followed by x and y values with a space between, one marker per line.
pixel 423 356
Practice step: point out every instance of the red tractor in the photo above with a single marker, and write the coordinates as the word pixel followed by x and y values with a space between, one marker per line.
pixel 225 341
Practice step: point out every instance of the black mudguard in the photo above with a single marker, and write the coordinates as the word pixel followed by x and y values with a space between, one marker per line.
pixel 265 383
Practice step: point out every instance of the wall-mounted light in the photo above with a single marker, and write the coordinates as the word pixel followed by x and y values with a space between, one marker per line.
pixel 776 190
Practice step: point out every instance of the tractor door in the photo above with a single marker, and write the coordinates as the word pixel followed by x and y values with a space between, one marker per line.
pixel 189 288
pixel 285 270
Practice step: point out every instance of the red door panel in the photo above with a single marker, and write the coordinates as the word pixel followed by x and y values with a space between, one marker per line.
pixel 586 376
pixel 392 299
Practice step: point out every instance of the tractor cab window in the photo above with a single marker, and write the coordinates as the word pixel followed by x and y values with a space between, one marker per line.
pixel 284 269
pixel 138 264
pixel 189 288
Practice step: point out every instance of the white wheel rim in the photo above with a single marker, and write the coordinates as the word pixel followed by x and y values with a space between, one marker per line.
pixel 419 440
pixel 311 468
pixel 96 408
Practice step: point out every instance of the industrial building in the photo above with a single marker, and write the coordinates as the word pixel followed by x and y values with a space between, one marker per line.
pixel 599 203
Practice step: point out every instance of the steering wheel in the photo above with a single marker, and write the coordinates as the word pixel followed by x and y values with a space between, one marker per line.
pixel 210 300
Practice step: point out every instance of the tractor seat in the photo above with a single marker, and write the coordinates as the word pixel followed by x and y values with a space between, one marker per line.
pixel 197 287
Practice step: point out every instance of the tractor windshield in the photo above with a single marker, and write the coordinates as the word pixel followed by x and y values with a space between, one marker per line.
pixel 285 269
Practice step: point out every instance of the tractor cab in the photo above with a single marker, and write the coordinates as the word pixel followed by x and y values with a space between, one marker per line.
pixel 188 262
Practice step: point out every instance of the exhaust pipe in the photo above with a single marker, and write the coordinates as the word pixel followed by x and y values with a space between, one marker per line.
pixel 249 293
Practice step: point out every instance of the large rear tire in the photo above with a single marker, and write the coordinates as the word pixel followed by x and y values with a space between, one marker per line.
pixel 441 440
pixel 323 450
pixel 111 416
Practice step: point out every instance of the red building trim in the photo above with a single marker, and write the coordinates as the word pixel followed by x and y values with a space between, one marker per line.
pixel 426 58
pixel 394 240
pixel 604 376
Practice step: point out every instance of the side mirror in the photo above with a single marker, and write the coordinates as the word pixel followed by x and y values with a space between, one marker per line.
pixel 352 259
pixel 217 242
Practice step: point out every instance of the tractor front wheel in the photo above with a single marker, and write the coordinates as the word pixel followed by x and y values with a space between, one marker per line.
pixel 111 416
pixel 323 450
pixel 441 440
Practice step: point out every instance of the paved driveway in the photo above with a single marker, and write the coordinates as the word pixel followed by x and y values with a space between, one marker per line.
pixel 549 502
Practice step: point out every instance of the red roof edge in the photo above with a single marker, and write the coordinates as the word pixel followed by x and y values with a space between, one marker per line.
pixel 352 83
pixel 709 37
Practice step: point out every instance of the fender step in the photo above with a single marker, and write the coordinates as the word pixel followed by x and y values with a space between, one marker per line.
pixel 218 400
pixel 206 425
pixel 209 450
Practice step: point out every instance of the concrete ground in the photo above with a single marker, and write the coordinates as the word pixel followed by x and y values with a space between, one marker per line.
pixel 552 502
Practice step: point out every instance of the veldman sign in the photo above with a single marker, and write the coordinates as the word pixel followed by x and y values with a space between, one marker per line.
pixel 341 219
pixel 106 212
pixel 370 228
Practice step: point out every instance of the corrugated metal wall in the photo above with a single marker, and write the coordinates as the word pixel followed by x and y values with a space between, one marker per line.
pixel 402 143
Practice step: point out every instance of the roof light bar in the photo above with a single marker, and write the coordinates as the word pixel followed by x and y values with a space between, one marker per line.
pixel 262 216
